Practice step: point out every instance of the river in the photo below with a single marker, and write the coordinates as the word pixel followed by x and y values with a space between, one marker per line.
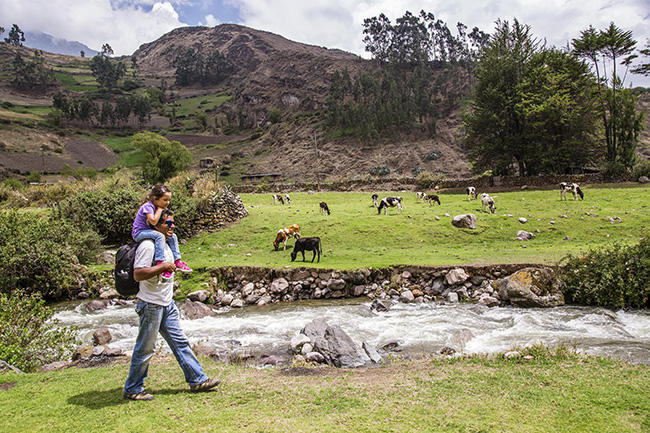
pixel 419 328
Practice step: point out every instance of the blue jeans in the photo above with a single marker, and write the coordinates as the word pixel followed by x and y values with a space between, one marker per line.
pixel 159 243
pixel 153 319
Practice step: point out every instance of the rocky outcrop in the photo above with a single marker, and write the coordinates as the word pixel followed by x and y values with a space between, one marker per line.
pixel 332 344
pixel 467 221
pixel 531 287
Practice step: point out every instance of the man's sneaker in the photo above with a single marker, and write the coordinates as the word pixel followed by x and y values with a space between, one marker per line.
pixel 206 385
pixel 182 267
pixel 165 275
pixel 142 396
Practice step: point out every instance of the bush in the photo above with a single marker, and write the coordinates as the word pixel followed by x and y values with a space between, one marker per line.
pixel 642 168
pixel 380 170
pixel 613 277
pixel 28 338
pixel 432 155
pixel 614 170
pixel 109 213
pixel 38 254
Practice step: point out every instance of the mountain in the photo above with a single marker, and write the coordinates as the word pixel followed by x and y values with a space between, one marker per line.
pixel 43 41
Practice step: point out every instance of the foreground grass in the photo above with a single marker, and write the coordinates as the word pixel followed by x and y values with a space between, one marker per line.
pixel 354 235
pixel 468 395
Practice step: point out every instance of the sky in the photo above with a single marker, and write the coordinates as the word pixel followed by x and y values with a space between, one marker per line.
pixel 126 24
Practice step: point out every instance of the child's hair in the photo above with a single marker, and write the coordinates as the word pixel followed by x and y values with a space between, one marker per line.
pixel 156 192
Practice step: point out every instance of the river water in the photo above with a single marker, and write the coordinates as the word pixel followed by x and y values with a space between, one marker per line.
pixel 419 328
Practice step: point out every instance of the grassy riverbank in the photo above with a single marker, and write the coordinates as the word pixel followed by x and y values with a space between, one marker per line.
pixel 355 236
pixel 557 392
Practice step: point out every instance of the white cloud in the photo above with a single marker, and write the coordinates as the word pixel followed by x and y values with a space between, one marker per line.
pixel 210 21
pixel 94 23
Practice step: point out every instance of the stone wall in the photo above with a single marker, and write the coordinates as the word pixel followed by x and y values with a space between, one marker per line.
pixel 413 184
pixel 223 208
pixel 242 286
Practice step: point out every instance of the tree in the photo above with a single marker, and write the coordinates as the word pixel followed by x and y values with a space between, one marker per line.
pixel 612 46
pixel 495 130
pixel 107 50
pixel 31 73
pixel 107 72
pixel 16 36
pixel 82 53
pixel 643 68
pixel 163 159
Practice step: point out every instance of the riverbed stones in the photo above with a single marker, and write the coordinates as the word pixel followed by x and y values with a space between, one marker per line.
pixel 531 287
pixel 101 336
pixel 95 305
pixel 456 276
pixel 198 296
pixel 334 344
pixel 196 310
pixel 279 285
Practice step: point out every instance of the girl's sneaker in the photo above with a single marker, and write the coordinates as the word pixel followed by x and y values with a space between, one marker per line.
pixel 182 267
pixel 166 275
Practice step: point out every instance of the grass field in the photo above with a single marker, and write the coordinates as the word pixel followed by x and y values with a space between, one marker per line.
pixel 557 394
pixel 354 235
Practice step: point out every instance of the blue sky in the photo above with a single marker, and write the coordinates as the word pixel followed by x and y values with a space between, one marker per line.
pixel 126 24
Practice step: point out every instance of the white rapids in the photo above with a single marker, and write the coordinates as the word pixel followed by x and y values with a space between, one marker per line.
pixel 418 328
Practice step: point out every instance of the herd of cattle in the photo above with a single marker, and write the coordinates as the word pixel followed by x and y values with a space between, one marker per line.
pixel 314 245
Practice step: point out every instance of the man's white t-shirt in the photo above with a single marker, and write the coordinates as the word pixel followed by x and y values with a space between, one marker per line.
pixel 153 290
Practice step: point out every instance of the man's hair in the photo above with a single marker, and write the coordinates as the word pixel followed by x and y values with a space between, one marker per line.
pixel 164 214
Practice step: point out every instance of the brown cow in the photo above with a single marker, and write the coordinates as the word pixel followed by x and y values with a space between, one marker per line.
pixel 284 235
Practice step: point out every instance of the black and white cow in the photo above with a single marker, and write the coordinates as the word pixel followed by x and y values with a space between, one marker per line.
pixel 307 244
pixel 324 208
pixel 287 199
pixel 487 202
pixel 572 187
pixel 278 198
pixel 387 202
pixel 375 199
pixel 432 198
pixel 471 193
pixel 420 196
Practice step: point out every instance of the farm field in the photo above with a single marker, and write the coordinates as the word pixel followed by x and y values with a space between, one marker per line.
pixel 354 235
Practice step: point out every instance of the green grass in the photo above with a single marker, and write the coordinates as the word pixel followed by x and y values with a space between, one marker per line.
pixel 189 106
pixel 431 395
pixel 355 236
pixel 129 155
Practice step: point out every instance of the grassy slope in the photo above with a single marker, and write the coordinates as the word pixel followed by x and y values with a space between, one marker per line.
pixel 355 236
pixel 471 395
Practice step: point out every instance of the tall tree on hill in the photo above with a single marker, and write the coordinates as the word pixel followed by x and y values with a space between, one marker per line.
pixel 495 129
pixel 16 37
pixel 621 123
pixel 106 71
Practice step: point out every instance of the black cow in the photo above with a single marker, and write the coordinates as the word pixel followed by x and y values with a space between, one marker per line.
pixel 324 208
pixel 306 244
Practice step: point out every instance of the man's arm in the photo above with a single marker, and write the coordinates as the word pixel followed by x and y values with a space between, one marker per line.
pixel 140 274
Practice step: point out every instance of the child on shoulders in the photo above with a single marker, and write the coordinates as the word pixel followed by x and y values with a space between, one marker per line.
pixel 147 216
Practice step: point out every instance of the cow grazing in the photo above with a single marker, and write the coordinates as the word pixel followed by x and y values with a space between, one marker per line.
pixel 284 235
pixel 420 196
pixel 387 202
pixel 573 187
pixel 471 193
pixel 278 198
pixel 324 208
pixel 432 198
pixel 287 199
pixel 307 244
pixel 375 199
pixel 487 202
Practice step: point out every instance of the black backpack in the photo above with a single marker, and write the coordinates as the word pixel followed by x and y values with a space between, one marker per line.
pixel 124 281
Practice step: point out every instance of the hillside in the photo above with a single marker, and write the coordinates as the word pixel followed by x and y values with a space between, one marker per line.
pixel 271 73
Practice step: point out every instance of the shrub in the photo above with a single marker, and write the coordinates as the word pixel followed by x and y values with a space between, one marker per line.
pixel 380 170
pixel 612 277
pixel 28 337
pixel 107 212
pixel 614 170
pixel 37 254
pixel 642 168
pixel 427 180
pixel 432 155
